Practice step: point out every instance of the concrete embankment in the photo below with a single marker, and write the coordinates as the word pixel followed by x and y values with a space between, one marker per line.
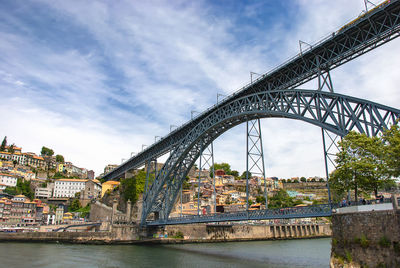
pixel 196 233
pixel 244 232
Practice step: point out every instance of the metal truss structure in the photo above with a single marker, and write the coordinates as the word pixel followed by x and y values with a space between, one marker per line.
pixel 323 210
pixel 255 156
pixel 273 95
pixel 334 112
pixel 206 161
pixel 370 31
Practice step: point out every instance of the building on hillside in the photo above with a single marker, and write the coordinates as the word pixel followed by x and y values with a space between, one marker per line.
pixel 219 172
pixel 109 167
pixel 91 191
pixel 59 215
pixel 31 159
pixel 108 185
pixel 8 180
pixel 43 192
pixel 68 187
pixel 90 175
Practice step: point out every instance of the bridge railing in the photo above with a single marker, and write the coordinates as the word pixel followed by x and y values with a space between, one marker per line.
pixel 322 210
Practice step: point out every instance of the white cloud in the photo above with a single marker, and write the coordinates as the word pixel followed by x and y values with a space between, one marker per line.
pixel 119 73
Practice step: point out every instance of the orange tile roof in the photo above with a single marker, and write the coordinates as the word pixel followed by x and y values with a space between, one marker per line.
pixel 81 180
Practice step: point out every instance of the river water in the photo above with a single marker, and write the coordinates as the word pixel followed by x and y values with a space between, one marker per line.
pixel 279 254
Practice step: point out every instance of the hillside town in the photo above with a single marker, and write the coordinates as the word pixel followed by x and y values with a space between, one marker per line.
pixel 45 189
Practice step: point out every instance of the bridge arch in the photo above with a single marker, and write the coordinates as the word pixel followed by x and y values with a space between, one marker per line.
pixel 334 112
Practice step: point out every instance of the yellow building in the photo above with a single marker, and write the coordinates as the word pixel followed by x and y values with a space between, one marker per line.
pixel 60 168
pixel 108 185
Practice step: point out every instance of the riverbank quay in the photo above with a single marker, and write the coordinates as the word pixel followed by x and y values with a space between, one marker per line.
pixel 195 233
pixel 366 237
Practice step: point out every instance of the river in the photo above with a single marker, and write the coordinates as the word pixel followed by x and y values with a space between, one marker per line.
pixel 279 254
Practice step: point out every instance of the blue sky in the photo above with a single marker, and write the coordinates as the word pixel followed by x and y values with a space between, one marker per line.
pixel 94 80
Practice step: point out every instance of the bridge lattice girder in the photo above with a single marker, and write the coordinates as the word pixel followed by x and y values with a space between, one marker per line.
pixel 334 112
pixel 368 32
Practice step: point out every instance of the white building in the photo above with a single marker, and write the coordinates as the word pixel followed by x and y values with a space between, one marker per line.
pixel 68 187
pixel 43 192
pixel 8 180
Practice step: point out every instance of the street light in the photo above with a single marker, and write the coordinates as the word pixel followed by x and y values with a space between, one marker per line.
pixel 192 112
pixel 303 43
pixel 220 95
pixel 251 76
pixel 172 126
pixel 122 160
pixel 143 145
pixel 155 138
pixel 132 154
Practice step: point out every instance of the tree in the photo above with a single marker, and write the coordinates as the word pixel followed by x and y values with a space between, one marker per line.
pixel 225 166
pixel 282 199
pixel 391 139
pixel 260 199
pixel 244 174
pixel 3 144
pixel 303 179
pixel 235 173
pixel 46 151
pixel 11 149
pixel 75 205
pixel 59 158
pixel 360 165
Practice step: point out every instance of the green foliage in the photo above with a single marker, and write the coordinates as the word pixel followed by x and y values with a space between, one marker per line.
pixel 59 158
pixel 362 240
pixel 24 187
pixel 178 235
pixel 260 199
pixel 235 173
pixel 186 184
pixel 349 258
pixel 391 138
pixel 132 187
pixel 3 144
pixel 244 174
pixel 75 205
pixel 11 149
pixel 385 242
pixel 11 190
pixel 281 200
pixel 59 175
pixel 303 179
pixel 360 165
pixel 321 180
pixel 225 166
pixel 334 242
pixel 84 211
pixel 43 184
pixel 46 151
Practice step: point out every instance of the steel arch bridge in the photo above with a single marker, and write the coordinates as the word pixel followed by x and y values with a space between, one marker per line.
pixel 274 95
pixel 336 113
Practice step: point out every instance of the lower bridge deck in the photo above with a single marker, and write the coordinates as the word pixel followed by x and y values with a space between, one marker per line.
pixel 323 210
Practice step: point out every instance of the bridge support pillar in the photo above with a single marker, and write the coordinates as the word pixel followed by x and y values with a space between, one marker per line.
pixel 255 157
pixel 128 211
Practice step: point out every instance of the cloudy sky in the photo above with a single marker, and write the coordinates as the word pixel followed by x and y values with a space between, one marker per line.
pixel 94 80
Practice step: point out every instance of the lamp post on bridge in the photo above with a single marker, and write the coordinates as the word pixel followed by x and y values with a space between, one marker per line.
pixel 251 76
pixel 191 114
pixel 171 127
pixel 155 138
pixel 143 146
pixel 219 95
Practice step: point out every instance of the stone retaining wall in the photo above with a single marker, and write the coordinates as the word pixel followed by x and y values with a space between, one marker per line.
pixel 366 239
